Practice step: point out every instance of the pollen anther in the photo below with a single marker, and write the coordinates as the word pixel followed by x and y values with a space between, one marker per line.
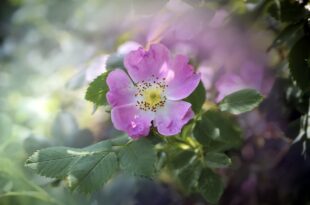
pixel 151 94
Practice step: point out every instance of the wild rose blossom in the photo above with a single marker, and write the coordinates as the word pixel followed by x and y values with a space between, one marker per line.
pixel 152 93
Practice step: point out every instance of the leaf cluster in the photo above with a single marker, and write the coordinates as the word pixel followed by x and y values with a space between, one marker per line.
pixel 201 149
pixel 87 169
pixel 292 17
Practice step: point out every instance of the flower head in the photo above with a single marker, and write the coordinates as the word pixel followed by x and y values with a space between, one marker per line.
pixel 152 93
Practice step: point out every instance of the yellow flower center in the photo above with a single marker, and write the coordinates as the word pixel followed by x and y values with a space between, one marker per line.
pixel 151 95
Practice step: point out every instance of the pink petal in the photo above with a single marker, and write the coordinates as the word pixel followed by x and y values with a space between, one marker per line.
pixel 170 120
pixel 142 64
pixel 130 119
pixel 182 80
pixel 121 89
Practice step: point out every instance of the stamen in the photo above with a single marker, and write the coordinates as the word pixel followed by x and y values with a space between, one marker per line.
pixel 151 94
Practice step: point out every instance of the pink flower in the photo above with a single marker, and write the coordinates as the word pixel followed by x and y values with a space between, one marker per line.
pixel 152 93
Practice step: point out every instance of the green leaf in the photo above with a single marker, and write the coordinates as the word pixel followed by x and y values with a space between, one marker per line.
pixel 187 130
pixel 299 58
pixel 217 160
pixel 53 162
pixel 56 162
pixel 205 131
pixel 217 131
pixel 241 101
pixel 107 145
pixel 210 186
pixel 189 175
pixel 97 90
pixel 85 169
pixel 138 158
pixel 197 98
pixel 287 34
pixel 182 158
pixel 89 173
pixel 292 11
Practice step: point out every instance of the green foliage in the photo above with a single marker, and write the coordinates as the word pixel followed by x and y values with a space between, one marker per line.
pixel 197 98
pixel 182 158
pixel 89 168
pixel 217 160
pixel 192 158
pixel 291 11
pixel 89 173
pixel 210 186
pixel 97 90
pixel 217 131
pixel 241 101
pixel 286 10
pixel 294 17
pixel 138 158
pixel 55 161
pixel 299 58
pixel 288 34
pixel 194 174
pixel 189 176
